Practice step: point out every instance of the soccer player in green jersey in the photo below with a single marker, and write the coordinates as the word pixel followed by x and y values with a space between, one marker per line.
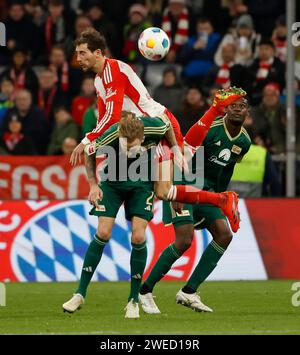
pixel 134 136
pixel 225 144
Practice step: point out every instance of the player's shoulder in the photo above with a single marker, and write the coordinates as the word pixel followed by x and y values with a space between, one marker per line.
pixel 246 135
pixel 218 122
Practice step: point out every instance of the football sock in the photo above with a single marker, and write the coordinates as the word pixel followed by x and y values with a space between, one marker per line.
pixel 190 194
pixel 91 261
pixel 196 134
pixel 206 265
pixel 162 266
pixel 138 260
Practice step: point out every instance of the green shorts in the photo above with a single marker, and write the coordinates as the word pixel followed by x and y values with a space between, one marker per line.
pixel 137 198
pixel 201 216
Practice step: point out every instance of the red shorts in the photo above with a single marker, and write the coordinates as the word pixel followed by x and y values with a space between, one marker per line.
pixel 163 150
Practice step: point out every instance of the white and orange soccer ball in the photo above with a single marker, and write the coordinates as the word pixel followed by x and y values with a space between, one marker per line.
pixel 154 43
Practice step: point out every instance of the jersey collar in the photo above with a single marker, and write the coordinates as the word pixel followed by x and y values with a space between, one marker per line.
pixel 227 132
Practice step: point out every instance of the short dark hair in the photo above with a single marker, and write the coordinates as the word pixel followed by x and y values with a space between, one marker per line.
pixel 94 40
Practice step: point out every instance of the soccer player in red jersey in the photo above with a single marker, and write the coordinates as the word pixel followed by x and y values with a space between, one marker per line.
pixel 119 89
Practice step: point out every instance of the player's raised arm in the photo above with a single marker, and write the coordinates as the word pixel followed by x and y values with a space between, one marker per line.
pixel 223 98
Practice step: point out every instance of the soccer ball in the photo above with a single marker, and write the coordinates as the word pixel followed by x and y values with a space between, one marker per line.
pixel 154 43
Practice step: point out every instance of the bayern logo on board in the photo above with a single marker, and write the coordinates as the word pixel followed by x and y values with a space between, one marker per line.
pixel 51 245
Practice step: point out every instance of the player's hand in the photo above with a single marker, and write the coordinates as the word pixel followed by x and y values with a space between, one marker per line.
pixel 95 195
pixel 180 159
pixel 177 206
pixel 76 154
pixel 225 97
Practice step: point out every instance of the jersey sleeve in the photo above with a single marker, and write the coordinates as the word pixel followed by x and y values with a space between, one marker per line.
pixel 155 128
pixel 114 86
pixel 109 138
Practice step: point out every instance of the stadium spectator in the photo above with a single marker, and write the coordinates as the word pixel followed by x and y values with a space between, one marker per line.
pixel 56 27
pixel 21 73
pixel 269 119
pixel 90 119
pixel 21 32
pixel 68 79
pixel 197 55
pixel 279 38
pixel 50 96
pixel 100 22
pixel 155 10
pixel 170 92
pixel 245 39
pixel 264 14
pixel 228 74
pixel 34 123
pixel 192 108
pixel 14 141
pixel 64 128
pixel 6 97
pixel 177 23
pixel 137 23
pixel 68 145
pixel 265 69
pixel 81 103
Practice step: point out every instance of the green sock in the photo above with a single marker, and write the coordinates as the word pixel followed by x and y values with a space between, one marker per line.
pixel 138 260
pixel 163 265
pixel 209 259
pixel 91 261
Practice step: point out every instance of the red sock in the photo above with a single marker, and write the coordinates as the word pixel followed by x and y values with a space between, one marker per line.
pixel 190 194
pixel 197 133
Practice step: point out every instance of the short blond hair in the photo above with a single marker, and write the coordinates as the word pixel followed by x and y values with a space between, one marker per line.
pixel 131 127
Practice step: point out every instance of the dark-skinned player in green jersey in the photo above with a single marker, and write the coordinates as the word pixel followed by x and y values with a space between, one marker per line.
pixel 225 145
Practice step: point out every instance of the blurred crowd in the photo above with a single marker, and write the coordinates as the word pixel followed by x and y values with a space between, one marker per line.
pixel 47 104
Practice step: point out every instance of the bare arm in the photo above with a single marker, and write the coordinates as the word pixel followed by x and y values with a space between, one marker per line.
pixel 170 136
pixel 95 193
pixel 90 167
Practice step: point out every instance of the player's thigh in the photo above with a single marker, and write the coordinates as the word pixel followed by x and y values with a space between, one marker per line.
pixel 139 226
pixel 212 218
pixel 164 178
pixel 105 226
pixel 139 202
pixel 111 201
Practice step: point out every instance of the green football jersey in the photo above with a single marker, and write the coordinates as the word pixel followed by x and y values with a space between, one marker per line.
pixel 154 130
pixel 221 152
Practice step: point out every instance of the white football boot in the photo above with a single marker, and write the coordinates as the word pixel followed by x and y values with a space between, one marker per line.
pixel 148 304
pixel 132 310
pixel 73 304
pixel 192 301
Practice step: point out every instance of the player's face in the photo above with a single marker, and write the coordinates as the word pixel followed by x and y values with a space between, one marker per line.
pixel 237 111
pixel 85 58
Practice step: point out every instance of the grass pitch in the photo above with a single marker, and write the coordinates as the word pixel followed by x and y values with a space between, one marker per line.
pixel 260 307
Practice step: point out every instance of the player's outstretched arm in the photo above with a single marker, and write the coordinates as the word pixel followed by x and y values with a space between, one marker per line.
pixel 223 98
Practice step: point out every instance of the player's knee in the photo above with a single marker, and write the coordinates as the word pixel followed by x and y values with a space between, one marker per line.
pixel 104 232
pixel 183 245
pixel 138 238
pixel 184 239
pixel 223 238
pixel 162 189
